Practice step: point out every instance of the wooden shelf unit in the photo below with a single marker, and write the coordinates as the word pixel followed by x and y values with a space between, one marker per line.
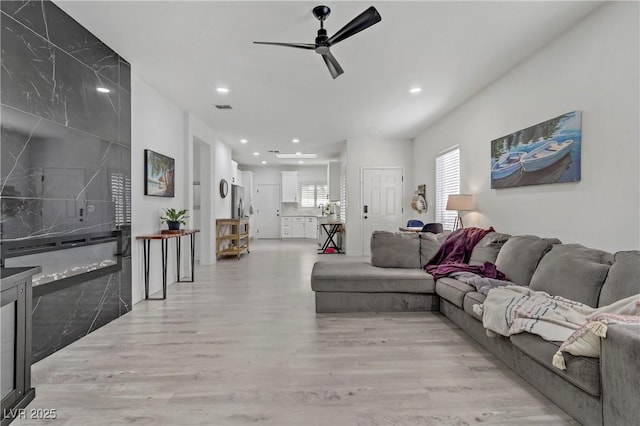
pixel 232 237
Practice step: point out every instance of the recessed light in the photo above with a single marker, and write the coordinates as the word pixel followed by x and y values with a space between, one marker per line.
pixel 300 162
pixel 264 162
pixel 243 141
pixel 102 89
pixel 295 140
pixel 415 90
pixel 298 153
pixel 256 153
pixel 222 90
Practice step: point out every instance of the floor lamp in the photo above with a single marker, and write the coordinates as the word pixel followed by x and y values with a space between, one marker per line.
pixel 460 202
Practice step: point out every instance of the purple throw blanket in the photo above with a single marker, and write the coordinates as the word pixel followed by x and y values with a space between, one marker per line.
pixel 488 270
pixel 458 246
pixel 453 255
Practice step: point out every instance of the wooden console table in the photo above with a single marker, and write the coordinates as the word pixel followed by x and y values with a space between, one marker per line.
pixel 232 237
pixel 164 244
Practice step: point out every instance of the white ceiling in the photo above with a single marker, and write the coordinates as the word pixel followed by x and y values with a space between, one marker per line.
pixel 185 49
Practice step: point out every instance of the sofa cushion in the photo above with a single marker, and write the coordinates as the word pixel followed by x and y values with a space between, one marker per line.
pixel 473 298
pixel 429 245
pixel 453 290
pixel 623 279
pixel 574 272
pixel 395 249
pixel 519 257
pixel 361 276
pixel 488 248
pixel 584 372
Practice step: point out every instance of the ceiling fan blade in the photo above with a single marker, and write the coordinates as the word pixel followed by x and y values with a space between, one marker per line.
pixel 307 46
pixel 361 22
pixel 334 67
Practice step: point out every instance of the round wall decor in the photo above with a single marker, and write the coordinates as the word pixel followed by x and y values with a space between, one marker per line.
pixel 224 188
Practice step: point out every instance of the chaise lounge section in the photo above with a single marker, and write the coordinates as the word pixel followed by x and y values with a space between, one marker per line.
pixel 393 282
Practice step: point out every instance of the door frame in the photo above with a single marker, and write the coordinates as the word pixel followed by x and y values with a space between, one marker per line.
pixel 360 212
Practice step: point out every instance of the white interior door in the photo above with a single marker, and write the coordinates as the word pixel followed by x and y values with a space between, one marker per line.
pixel 267 212
pixel 381 202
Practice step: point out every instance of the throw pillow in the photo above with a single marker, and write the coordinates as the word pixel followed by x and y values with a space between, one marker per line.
pixel 519 256
pixel 623 279
pixel 574 272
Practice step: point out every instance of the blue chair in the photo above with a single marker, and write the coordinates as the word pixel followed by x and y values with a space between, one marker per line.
pixel 434 228
pixel 414 223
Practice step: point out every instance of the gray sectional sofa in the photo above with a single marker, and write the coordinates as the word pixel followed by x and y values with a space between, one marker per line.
pixel 594 391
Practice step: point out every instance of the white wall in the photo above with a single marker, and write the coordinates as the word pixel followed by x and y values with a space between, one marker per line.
pixel 160 125
pixel 592 68
pixel 373 153
pixel 156 124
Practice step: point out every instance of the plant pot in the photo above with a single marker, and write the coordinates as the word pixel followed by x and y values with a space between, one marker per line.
pixel 174 225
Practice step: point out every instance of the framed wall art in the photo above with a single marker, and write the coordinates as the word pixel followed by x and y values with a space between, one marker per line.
pixel 549 152
pixel 159 173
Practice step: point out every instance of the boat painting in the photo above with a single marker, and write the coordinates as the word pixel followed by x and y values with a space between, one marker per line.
pixel 549 152
pixel 507 165
pixel 545 155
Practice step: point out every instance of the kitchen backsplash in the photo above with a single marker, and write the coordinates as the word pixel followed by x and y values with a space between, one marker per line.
pixel 293 209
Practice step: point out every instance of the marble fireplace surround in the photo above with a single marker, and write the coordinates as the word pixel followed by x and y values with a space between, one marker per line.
pixel 65 170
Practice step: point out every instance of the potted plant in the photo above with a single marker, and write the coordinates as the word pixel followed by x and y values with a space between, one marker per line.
pixel 174 218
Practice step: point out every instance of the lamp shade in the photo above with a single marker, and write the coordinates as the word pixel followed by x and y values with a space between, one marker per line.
pixel 461 202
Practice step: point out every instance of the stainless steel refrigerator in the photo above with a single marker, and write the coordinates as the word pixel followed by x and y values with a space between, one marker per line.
pixel 237 202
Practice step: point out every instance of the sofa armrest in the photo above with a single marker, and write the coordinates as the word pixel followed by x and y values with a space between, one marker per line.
pixel 620 364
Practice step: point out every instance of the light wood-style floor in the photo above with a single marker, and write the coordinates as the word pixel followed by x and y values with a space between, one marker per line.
pixel 243 345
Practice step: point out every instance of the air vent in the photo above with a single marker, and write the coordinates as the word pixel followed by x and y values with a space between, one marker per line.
pixel 223 106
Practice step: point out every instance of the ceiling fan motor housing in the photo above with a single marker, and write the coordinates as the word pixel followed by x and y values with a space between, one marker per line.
pixel 322 44
pixel 321 12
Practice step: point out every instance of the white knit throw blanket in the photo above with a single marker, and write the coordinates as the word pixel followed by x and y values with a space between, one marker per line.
pixel 514 309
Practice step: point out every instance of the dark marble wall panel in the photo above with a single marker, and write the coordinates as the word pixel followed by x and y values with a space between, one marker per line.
pixel 125 75
pixel 65 164
pixel 126 298
pixel 58 322
pixel 124 129
pixel 52 24
pixel 41 79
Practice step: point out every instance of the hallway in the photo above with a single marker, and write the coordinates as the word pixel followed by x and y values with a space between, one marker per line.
pixel 243 345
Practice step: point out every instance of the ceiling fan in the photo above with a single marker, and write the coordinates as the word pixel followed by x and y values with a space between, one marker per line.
pixel 361 22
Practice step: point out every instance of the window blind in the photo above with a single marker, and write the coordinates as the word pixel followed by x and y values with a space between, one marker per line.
pixel 447 182
pixel 308 196
pixel 343 197
pixel 322 195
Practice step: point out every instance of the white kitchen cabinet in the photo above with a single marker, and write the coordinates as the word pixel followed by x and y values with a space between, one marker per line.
pixel 311 227
pixel 285 227
pixel 298 227
pixel 289 187
pixel 234 172
pixel 297 230
pixel 333 180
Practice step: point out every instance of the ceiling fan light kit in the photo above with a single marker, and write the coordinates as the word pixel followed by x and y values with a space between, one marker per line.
pixel 323 42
